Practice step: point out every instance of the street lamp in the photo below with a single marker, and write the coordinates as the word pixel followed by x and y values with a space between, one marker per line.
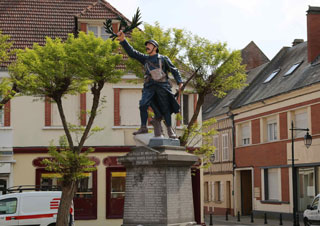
pixel 307 142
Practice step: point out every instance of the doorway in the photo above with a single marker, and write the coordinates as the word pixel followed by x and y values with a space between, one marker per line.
pixel 246 192
pixel 3 186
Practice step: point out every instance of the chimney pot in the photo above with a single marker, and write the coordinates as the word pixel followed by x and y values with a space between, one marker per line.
pixel 297 41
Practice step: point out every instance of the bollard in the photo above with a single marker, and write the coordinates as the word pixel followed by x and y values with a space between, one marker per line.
pixel 227 215
pixel 298 224
pixel 252 217
pixel 238 216
pixel 280 219
pixel 211 223
pixel 265 218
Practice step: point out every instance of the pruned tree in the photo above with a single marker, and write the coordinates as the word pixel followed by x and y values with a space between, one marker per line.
pixel 61 68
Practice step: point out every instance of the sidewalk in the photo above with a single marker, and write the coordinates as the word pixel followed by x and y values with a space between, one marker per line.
pixel 246 220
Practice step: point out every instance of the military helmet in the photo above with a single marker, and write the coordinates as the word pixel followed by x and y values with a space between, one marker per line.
pixel 153 42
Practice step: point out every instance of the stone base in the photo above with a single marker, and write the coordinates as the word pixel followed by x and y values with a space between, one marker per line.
pixel 158 186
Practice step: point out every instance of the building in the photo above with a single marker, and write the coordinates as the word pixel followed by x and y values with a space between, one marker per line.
pixel 218 178
pixel 285 91
pixel 28 127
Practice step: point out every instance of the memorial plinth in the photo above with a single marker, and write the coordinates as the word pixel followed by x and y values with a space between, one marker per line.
pixel 158 186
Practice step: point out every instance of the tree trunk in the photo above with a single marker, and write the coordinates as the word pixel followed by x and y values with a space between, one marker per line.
pixel 185 136
pixel 68 191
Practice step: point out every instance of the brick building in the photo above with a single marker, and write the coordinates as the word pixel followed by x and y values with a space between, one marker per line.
pixel 285 91
pixel 218 179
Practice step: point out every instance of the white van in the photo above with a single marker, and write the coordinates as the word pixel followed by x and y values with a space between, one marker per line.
pixel 312 214
pixel 38 208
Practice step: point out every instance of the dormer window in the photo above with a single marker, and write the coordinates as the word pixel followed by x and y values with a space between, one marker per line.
pixel 98 31
pixel 293 68
pixel 271 76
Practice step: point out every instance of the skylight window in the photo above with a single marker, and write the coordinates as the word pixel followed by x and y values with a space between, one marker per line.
pixel 292 69
pixel 271 76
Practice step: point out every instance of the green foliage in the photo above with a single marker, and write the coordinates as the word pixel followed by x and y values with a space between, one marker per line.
pixel 70 165
pixel 219 70
pixel 202 134
pixel 5 45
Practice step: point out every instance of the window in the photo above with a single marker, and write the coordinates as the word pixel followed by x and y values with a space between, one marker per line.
pixel 85 200
pixel 71 110
pixel 216 144
pixel 272 75
pixel 2 117
pixel 225 147
pixel 115 182
pixel 271 184
pixel 300 121
pixel 8 206
pixel 218 189
pixel 98 31
pixel 272 130
pixel 245 134
pixel 185 110
pixel 206 191
pixel 315 204
pixel 293 68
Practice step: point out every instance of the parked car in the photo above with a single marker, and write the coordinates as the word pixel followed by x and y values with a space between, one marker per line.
pixel 31 208
pixel 312 214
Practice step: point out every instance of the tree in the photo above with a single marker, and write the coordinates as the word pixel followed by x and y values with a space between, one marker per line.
pixel 8 88
pixel 61 68
pixel 211 67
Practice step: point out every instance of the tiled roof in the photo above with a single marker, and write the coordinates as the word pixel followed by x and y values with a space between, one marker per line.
pixel 29 21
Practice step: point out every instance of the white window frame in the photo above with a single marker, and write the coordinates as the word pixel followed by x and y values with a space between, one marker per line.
pixel 300 121
pixel 225 147
pixel 245 138
pixel 100 31
pixel 272 130
pixel 217 151
pixel 274 185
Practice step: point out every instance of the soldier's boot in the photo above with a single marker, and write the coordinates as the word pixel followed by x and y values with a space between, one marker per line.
pixel 171 133
pixel 142 130
pixel 156 123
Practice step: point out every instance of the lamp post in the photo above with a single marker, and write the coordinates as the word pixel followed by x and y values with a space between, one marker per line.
pixel 307 142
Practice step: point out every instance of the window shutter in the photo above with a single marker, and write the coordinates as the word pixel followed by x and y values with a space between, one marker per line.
pixel 221 191
pixel 212 191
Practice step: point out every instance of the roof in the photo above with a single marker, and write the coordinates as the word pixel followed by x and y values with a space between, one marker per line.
pixel 30 21
pixel 305 75
pixel 222 106
pixel 255 61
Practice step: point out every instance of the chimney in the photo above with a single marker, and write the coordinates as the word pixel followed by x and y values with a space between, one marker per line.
pixel 313 30
pixel 297 41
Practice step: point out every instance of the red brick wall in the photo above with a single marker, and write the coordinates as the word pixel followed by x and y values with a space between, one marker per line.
pixel 283 125
pixel 252 56
pixel 7 114
pixel 268 154
pixel 83 27
pixel 315 119
pixel 116 106
pixel 313 30
pixel 285 184
pixel 255 131
pixel 257 180
pixel 47 112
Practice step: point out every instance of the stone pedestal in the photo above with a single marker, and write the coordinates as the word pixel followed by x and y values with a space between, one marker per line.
pixel 158 186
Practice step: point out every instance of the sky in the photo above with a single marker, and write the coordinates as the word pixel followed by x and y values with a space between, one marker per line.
pixel 271 24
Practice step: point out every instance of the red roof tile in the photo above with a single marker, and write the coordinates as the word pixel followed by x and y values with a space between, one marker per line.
pixel 30 21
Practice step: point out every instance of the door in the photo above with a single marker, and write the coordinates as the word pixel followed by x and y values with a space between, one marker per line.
pixel 3 186
pixel 246 192
pixel 8 212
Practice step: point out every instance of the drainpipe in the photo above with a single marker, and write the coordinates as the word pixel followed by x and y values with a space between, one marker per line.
pixel 231 116
pixel 76 28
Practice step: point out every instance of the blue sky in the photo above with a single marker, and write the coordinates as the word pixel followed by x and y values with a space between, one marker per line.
pixel 271 24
